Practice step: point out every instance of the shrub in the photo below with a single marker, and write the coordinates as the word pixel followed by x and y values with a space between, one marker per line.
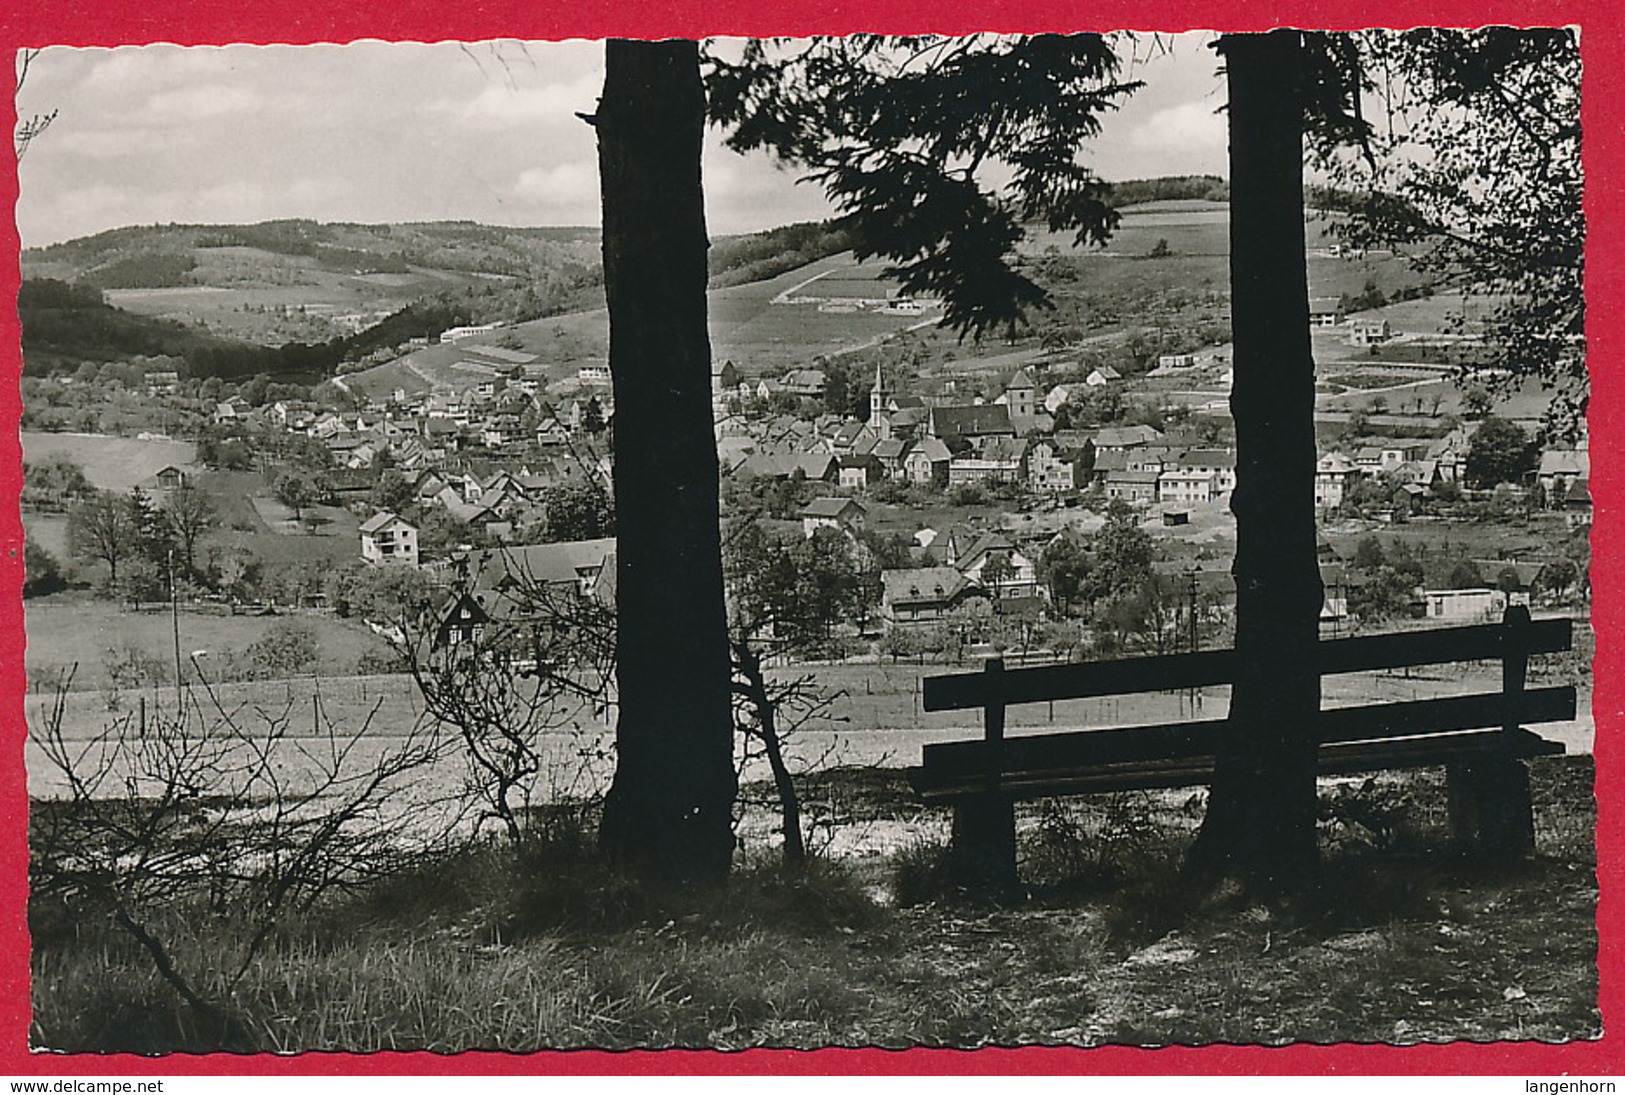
pixel 288 649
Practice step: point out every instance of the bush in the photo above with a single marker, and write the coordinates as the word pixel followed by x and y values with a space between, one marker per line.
pixel 42 573
pixel 288 649
pixel 129 666
pixel 380 662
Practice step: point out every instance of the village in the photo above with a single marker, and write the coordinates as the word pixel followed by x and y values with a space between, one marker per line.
pixel 988 490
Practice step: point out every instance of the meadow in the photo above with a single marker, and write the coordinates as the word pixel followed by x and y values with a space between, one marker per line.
pixel 110 463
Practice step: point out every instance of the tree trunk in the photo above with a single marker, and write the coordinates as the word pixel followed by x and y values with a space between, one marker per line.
pixel 749 664
pixel 1260 823
pixel 669 814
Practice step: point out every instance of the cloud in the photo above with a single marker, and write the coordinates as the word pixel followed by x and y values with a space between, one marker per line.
pixel 1191 128
pixel 564 183
pixel 180 106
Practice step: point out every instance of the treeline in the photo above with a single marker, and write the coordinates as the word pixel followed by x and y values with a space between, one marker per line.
pixel 65 323
pixel 737 260
pixel 421 319
pixel 71 324
pixel 1209 188
pixel 151 270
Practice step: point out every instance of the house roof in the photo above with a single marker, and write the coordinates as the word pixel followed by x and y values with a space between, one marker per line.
pixel 921 585
pixel 931 449
pixel 548 564
pixel 1209 458
pixel 1565 462
pixel 972 420
pixel 1126 436
pixel 1146 477
pixel 380 520
pixel 988 541
pixel 1019 381
pixel 831 507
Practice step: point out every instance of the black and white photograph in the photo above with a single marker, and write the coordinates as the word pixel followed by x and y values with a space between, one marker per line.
pixel 875 541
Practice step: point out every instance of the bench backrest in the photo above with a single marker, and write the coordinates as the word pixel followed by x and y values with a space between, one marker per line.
pixel 1512 642
pixel 1514 639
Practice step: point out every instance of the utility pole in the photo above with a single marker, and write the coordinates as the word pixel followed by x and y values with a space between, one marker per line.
pixel 175 622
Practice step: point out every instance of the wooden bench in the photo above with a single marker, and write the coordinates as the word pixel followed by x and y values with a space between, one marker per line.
pixel 1479 738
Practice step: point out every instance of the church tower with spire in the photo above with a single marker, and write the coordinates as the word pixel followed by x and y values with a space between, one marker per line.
pixel 879 397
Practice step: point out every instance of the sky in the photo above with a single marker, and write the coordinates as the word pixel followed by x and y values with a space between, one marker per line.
pixel 379 132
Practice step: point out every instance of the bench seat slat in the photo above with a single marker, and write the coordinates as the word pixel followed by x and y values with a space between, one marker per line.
pixel 1209 668
pixel 1189 739
pixel 1341 758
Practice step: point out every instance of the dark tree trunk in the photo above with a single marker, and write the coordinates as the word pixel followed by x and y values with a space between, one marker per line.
pixel 669 814
pixel 1260 823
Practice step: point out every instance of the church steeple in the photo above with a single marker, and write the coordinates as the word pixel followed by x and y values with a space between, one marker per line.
pixel 877 402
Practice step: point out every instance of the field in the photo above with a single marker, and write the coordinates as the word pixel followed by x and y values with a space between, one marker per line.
pixel 876 720
pixel 70 628
pixel 110 463
pixel 747 327
pixel 1198 239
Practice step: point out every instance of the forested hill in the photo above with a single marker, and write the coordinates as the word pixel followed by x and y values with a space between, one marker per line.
pixel 1170 188
pixel 297 297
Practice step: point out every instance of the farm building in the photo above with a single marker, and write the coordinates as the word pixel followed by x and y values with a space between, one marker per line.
pixel 845 514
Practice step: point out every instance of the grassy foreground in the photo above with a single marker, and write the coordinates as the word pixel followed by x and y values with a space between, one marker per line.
pixel 1404 943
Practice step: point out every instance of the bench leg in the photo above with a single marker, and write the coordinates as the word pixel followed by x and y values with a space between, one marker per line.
pixel 982 856
pixel 1490 807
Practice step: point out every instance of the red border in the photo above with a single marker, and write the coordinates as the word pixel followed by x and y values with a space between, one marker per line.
pixel 194 22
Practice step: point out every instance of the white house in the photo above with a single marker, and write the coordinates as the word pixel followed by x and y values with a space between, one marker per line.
pixel 1465 604
pixel 387 538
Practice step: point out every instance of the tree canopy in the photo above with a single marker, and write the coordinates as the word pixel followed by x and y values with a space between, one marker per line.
pixel 1467 156
pixel 905 147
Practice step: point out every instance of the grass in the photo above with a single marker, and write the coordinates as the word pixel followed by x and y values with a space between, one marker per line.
pixel 70 628
pixel 1405 943
pixel 110 463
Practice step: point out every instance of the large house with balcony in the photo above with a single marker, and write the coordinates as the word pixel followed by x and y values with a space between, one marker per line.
pixel 389 539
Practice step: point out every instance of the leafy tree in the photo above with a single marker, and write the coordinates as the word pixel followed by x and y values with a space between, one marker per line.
pixel 140 581
pixel 1499 451
pixel 584 512
pixel 592 418
pixel 1476 401
pixel 393 492
pixel 1465 575
pixel 903 146
pixel 57 480
pixel 1368 553
pixel 1558 576
pixel 997 571
pixel 235 572
pixel 294 490
pixel 798 588
pixel 392 594
pixel 1477 175
pixel 839 387
pixel 1381 594
pixel 1064 568
pixel 1120 554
